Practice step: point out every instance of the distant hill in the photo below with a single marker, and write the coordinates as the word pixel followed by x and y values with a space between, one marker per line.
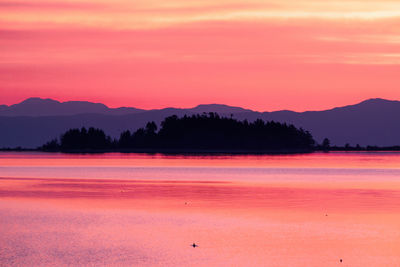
pixel 220 109
pixel 35 121
pixel 371 122
pixel 48 107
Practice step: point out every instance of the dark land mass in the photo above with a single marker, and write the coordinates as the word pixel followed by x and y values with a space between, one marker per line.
pixel 29 124
pixel 37 107
pixel 207 133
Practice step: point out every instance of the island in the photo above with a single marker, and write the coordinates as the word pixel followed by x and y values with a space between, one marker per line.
pixel 201 133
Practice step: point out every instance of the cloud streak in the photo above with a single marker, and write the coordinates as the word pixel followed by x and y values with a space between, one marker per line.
pixel 261 54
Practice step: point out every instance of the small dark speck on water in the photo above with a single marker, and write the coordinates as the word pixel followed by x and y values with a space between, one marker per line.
pixel 341 260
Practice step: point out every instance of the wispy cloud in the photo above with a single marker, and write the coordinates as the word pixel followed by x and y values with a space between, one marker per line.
pixel 230 51
pixel 122 14
pixel 18 6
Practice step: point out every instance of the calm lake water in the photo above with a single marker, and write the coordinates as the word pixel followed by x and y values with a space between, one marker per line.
pixel 146 210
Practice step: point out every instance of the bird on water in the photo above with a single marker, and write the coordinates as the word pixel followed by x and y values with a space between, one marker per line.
pixel 194 245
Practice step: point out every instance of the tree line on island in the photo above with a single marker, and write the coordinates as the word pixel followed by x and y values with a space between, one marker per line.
pixel 205 132
pixel 200 133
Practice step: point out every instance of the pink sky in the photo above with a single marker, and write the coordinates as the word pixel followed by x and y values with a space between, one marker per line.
pixel 264 55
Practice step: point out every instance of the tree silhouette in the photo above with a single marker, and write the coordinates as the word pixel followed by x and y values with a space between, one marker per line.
pixel 80 139
pixel 52 145
pixel 326 144
pixel 207 131
pixel 210 131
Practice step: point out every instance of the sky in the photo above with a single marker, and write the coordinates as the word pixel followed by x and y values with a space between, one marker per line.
pixel 264 55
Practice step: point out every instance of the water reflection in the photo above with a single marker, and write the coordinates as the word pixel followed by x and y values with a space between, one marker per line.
pixel 146 210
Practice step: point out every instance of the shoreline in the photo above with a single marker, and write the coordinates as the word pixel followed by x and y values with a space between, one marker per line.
pixel 170 151
pixel 207 151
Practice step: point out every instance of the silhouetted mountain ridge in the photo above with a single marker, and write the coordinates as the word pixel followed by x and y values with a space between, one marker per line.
pixel 218 108
pixel 36 106
pixel 371 122
pixel 48 107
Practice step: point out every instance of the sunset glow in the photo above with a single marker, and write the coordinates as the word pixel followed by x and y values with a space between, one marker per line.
pixel 264 55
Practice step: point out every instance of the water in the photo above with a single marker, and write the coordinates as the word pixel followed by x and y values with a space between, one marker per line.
pixel 147 210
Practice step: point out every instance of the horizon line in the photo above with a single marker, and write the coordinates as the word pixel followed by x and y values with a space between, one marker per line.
pixel 202 104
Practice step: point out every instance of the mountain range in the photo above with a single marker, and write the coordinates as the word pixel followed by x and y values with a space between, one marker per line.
pixel 35 121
